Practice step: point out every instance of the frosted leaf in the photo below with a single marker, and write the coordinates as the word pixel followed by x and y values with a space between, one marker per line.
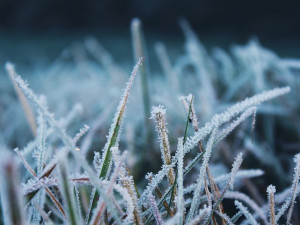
pixel 188 104
pixel 231 112
pixel 62 122
pixel 189 98
pixel 218 120
pixel 225 217
pixel 48 116
pixel 253 123
pixel 237 122
pixel 97 161
pixel 11 199
pixel 180 197
pixel 129 203
pixel 81 132
pixel 10 68
pixel 157 178
pixel 149 176
pixel 241 174
pixel 200 181
pixel 109 190
pixel 39 153
pixel 128 183
pixel 96 183
pixel 236 165
pixel 155 210
pixel 113 134
pixel 294 186
pixel 242 197
pixel 158 114
pixel 184 102
pixel 246 213
pixel 36 184
pixel 203 213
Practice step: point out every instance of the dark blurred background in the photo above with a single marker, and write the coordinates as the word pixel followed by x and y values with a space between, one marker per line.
pixel 266 18
pixel 275 23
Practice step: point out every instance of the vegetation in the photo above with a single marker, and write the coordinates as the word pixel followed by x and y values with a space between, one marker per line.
pixel 206 180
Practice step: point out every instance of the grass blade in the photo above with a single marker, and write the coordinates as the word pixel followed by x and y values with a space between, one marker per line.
pixel 68 196
pixel 113 136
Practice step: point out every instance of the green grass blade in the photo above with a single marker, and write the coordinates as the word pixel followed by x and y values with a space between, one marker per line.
pixel 113 137
pixel 68 195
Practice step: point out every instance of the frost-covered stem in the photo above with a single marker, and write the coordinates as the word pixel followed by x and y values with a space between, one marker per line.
pixel 39 154
pixel 235 217
pixel 113 135
pixel 47 171
pixel 158 114
pixel 217 120
pixel 64 122
pixel 100 209
pixel 11 200
pixel 25 104
pixel 43 214
pixel 155 210
pixel 98 185
pixel 225 217
pixel 67 192
pixel 79 209
pixel 26 164
pixel 230 183
pixel 31 171
pixel 188 103
pixel 242 197
pixel 246 213
pixel 202 214
pixel 42 143
pixel 237 122
pixel 232 112
pixel 139 48
pixel 127 183
pixel 294 187
pixel 52 164
pixel 81 133
pixel 180 197
pixel 160 196
pixel 200 182
pixel 271 191
pixel 48 116
pixel 253 124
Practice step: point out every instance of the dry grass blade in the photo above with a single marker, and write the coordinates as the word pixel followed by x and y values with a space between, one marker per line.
pixel 31 195
pixel 25 104
pixel 13 209
pixel 271 191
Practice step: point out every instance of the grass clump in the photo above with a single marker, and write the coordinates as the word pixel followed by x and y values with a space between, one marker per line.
pixel 212 161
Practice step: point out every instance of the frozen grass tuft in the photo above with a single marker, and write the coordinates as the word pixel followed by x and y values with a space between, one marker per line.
pixel 207 153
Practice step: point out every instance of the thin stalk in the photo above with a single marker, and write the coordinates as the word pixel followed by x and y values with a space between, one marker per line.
pixel 139 48
pixel 12 205
pixel 68 195
pixel 25 104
